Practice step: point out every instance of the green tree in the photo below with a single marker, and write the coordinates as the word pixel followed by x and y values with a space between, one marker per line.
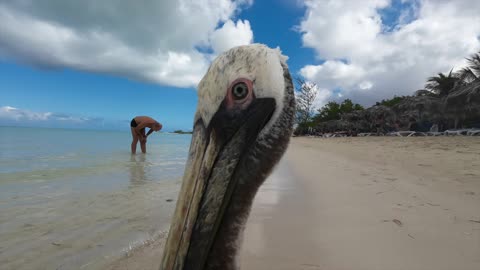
pixel 358 107
pixel 305 99
pixel 391 102
pixel 347 106
pixel 442 84
pixel 305 110
pixel 333 110
pixel 471 72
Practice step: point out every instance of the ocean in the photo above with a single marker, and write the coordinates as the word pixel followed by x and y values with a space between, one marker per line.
pixel 77 199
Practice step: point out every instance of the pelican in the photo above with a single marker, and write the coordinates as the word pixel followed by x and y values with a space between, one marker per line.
pixel 241 129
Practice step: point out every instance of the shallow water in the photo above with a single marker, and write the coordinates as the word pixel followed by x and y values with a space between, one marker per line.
pixel 78 198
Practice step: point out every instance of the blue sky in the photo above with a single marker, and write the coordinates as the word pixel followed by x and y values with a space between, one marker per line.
pixel 84 66
pixel 112 100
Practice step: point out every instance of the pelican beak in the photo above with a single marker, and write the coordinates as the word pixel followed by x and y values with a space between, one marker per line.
pixel 215 158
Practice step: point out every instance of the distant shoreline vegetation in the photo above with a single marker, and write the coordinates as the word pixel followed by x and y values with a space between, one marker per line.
pixel 448 101
pixel 182 132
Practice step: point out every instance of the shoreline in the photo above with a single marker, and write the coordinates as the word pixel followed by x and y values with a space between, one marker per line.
pixel 362 203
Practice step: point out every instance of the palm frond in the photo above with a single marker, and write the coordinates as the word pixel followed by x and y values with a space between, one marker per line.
pixel 474 64
pixel 442 84
pixel 467 75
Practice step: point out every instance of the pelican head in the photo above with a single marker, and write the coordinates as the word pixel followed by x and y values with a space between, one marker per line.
pixel 241 129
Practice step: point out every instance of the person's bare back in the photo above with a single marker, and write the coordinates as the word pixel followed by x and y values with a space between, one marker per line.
pixel 137 126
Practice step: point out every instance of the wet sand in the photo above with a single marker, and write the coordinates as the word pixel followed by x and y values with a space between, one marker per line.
pixel 362 203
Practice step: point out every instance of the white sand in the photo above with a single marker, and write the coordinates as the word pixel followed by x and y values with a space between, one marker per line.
pixel 363 203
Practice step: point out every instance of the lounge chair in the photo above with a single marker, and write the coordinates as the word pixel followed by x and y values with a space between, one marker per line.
pixel 456 132
pixel 405 133
pixel 473 132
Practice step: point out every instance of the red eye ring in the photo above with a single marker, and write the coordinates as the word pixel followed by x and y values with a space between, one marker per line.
pixel 240 90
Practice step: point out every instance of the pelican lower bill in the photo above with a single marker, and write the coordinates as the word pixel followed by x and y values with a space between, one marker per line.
pixel 209 180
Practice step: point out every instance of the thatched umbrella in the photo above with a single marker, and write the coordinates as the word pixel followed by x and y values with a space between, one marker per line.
pixel 422 108
pixel 380 111
pixel 365 120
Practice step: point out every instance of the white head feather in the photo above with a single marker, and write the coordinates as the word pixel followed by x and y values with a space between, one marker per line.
pixel 255 62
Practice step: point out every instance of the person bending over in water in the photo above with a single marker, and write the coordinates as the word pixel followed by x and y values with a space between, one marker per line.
pixel 138 125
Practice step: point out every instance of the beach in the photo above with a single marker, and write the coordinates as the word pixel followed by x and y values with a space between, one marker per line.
pixel 77 199
pixel 362 203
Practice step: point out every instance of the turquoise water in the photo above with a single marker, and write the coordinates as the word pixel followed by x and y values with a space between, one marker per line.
pixel 78 198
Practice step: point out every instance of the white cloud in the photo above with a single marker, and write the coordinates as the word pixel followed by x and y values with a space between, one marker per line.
pixel 231 35
pixel 334 73
pixel 155 41
pixel 323 96
pixel 10 114
pixel 380 60
pixel 333 28
pixel 365 85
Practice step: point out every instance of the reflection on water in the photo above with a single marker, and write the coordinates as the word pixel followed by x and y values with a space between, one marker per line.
pixel 137 169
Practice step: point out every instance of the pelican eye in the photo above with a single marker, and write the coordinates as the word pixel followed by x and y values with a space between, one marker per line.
pixel 240 91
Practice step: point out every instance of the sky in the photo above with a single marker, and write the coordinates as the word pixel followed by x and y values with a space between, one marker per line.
pixel 96 64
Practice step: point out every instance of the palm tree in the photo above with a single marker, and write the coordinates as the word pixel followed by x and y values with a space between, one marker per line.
pixel 472 71
pixel 442 84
